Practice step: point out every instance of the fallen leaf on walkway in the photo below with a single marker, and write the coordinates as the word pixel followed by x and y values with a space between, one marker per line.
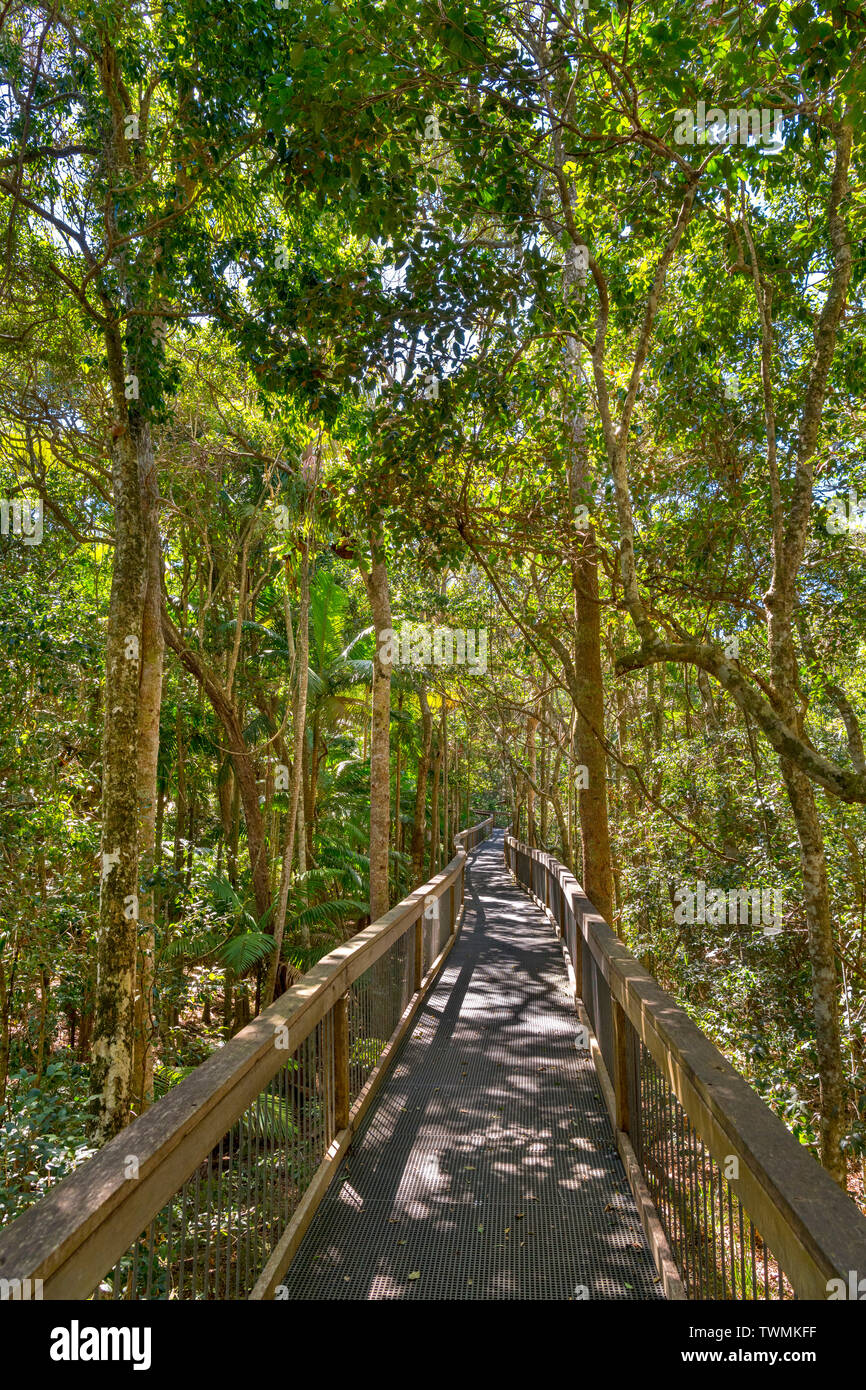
pixel 416 1274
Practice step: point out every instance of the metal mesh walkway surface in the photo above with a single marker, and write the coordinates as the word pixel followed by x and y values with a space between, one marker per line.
pixel 487 1168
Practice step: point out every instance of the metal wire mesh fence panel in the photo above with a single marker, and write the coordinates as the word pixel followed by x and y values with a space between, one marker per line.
pixel 718 1251
pixel 376 1001
pixel 597 1002
pixel 213 1237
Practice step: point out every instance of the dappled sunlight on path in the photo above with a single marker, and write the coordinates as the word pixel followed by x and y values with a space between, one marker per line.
pixel 487 1168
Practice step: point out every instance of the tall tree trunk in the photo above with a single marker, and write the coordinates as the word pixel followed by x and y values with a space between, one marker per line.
pixel 376 583
pixel 434 811
pixel 531 726
pixel 307 796
pixel 302 834
pixel 819 925
pixel 149 704
pixel 190 836
pixel 5 1028
pixel 157 849
pixel 44 991
pixel 299 729
pixel 455 823
pixel 468 781
pixel 791 518
pixel 587 686
pixel 113 1034
pixel 249 796
pixel 563 830
pixel 419 826
pixel 544 809
pixel 226 796
pixel 398 772
pixel 275 839
pixel 244 768
pixel 312 789
pixel 235 832
pixel 180 817
pixel 446 848
pixel 589 699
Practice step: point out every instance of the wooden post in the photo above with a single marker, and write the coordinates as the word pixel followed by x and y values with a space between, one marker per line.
pixel 419 951
pixel 341 1062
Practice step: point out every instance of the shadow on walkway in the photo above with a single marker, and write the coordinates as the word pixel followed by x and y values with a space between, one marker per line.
pixel 487 1168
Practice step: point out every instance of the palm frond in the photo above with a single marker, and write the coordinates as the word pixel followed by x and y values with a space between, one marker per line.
pixel 329 913
pixel 315 684
pixel 359 636
pixel 260 724
pixel 240 952
pixel 336 852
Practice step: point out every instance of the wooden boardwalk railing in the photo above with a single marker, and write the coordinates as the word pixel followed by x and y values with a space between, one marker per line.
pixel 747 1211
pixel 207 1194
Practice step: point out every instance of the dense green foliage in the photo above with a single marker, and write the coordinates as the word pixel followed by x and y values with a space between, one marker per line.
pixel 339 269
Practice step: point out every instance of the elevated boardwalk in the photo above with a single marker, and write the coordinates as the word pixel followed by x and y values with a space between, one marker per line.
pixel 416 1119
pixel 487 1168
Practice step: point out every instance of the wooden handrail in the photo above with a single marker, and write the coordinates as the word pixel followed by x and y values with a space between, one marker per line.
pixel 813 1227
pixel 479 831
pixel 80 1229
